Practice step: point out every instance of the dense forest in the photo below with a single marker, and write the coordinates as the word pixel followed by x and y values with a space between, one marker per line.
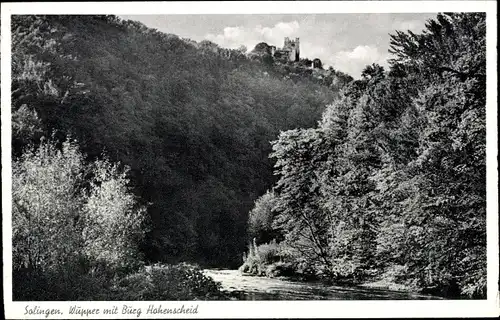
pixel 192 121
pixel 391 183
pixel 136 150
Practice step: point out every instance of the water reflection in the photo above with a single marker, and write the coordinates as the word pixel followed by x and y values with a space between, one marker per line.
pixel 242 287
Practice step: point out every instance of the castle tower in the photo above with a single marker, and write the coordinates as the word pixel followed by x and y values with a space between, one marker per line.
pixel 293 49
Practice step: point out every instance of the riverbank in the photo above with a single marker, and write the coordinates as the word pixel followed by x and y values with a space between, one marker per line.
pixel 247 287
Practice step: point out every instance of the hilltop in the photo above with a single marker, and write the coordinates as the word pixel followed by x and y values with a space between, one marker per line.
pixel 287 62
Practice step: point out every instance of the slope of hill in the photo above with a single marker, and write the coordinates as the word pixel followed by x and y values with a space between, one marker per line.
pixel 192 120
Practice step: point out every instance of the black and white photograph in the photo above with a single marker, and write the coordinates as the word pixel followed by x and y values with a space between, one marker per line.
pixel 306 155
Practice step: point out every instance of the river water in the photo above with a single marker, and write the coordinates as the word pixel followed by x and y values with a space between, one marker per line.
pixel 245 287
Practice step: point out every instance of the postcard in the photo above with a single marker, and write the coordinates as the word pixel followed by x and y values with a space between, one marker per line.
pixel 304 159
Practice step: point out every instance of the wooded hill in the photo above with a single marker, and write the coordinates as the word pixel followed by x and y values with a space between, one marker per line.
pixel 384 180
pixel 192 120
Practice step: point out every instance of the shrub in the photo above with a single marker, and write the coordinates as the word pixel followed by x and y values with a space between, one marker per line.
pixel 47 205
pixel 74 224
pixel 281 269
pixel 168 282
pixel 112 221
pixel 65 282
pixel 26 127
pixel 304 269
pixel 260 257
pixel 344 269
pixel 268 252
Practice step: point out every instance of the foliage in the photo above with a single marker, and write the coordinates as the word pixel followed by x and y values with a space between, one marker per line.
pixel 68 282
pixel 192 120
pixel 301 217
pixel 74 224
pixel 47 205
pixel 261 218
pixel 113 224
pixel 391 184
pixel 168 282
pixel 75 232
pixel 260 257
pixel 26 128
pixel 275 259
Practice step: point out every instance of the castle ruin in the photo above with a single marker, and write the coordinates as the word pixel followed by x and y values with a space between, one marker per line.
pixel 290 50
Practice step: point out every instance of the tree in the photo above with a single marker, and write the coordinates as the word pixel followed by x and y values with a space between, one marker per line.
pixel 47 206
pixel 59 219
pixel 242 49
pixel 300 216
pixel 446 210
pixel 26 128
pixel 113 224
pixel 393 179
pixel 260 220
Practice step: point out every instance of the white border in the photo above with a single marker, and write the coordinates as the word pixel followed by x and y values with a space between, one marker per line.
pixel 270 309
pixel 247 7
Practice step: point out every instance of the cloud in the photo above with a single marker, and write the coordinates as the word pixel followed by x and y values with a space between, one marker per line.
pixel 353 62
pixel 233 32
pixel 311 46
pixel 311 51
pixel 281 29
pixel 363 53
pixel 233 37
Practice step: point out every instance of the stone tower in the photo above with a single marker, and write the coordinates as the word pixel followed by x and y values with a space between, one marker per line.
pixel 293 48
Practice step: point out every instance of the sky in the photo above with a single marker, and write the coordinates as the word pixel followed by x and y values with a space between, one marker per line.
pixel 347 41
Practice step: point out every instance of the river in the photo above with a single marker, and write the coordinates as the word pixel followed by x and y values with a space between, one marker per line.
pixel 245 287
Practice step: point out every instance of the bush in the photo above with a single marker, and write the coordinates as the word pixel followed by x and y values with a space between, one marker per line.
pixel 304 269
pixel 47 205
pixel 168 282
pixel 26 127
pixel 112 222
pixel 346 269
pixel 259 258
pixel 75 224
pixel 281 269
pixel 71 281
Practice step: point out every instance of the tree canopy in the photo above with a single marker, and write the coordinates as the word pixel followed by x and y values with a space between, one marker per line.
pixel 393 179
